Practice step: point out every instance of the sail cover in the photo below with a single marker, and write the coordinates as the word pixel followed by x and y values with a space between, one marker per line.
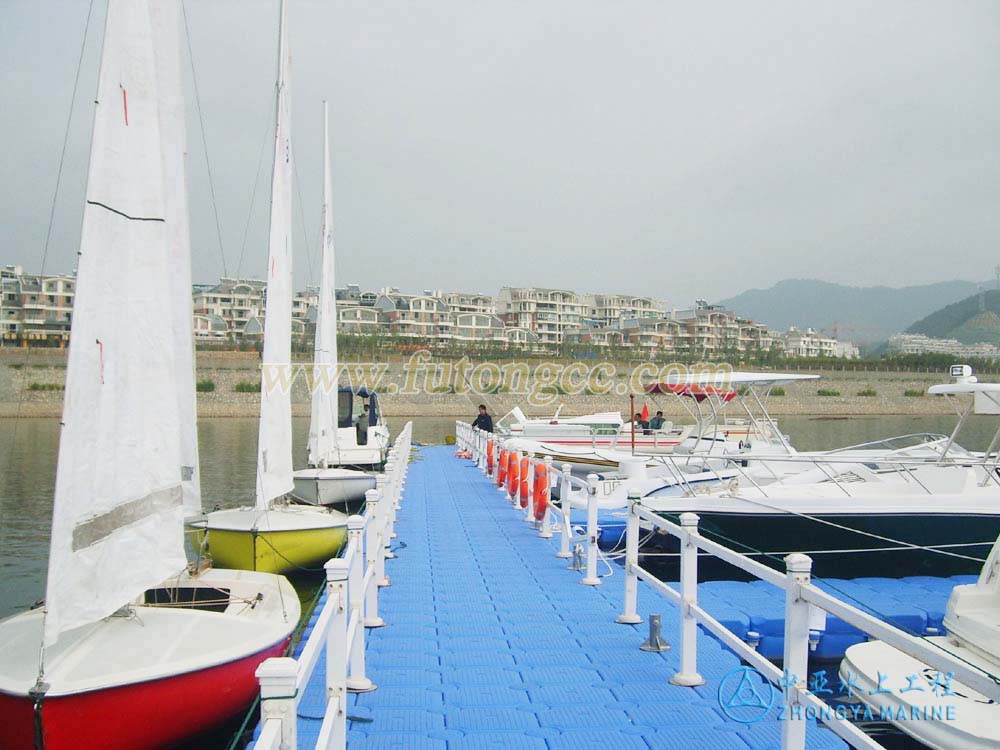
pixel 166 47
pixel 323 425
pixel 274 441
pixel 117 526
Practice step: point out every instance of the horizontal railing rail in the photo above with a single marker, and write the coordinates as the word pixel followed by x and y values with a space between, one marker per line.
pixel 351 606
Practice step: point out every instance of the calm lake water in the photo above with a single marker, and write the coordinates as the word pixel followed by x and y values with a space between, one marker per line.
pixel 228 452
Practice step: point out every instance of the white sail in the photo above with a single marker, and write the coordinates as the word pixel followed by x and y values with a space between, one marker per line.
pixel 274 440
pixel 323 425
pixel 166 46
pixel 117 525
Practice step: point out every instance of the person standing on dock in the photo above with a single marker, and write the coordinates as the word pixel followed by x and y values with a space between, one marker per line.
pixel 484 421
pixel 361 425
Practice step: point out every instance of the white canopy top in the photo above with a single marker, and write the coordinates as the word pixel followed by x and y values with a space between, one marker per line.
pixel 956 388
pixel 726 379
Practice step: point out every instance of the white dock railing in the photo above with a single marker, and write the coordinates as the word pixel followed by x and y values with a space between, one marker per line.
pixel 801 596
pixel 352 584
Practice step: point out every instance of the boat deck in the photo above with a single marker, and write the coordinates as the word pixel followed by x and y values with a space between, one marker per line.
pixel 492 643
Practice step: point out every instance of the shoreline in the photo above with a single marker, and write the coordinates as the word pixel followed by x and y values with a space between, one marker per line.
pixel 31 383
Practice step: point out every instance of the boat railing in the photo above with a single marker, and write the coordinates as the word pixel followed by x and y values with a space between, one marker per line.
pixel 803 602
pixel 351 606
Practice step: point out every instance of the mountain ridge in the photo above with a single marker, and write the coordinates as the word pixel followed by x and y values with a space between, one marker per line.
pixel 864 315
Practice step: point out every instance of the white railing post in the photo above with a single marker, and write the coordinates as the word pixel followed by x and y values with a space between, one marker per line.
pixel 529 511
pixel 591 579
pixel 398 479
pixel 389 494
pixel 688 676
pixel 357 682
pixel 630 615
pixel 277 677
pixel 546 531
pixel 798 568
pixel 373 550
pixel 482 452
pixel 564 507
pixel 382 539
pixel 336 651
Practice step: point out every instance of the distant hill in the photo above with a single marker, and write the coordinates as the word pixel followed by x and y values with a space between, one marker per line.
pixel 964 320
pixel 865 315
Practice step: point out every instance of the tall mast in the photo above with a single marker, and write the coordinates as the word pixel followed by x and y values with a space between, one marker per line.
pixel 323 425
pixel 274 443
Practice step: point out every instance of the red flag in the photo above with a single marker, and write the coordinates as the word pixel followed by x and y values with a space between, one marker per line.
pixel 645 412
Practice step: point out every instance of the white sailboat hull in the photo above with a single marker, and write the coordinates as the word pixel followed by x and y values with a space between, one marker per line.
pixel 331 486
pixel 153 675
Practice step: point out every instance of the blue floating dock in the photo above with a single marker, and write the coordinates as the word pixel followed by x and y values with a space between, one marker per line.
pixel 491 644
pixel 915 604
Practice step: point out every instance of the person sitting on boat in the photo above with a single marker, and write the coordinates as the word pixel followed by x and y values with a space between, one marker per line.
pixel 361 425
pixel 657 422
pixel 640 423
pixel 484 421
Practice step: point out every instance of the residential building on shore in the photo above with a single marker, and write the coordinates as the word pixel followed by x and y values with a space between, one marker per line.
pixel 918 343
pixel 704 330
pixel 811 343
pixel 549 313
pixel 37 311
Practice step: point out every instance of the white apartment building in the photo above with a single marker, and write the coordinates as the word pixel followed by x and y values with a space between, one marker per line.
pixel 918 343
pixel 237 302
pixel 811 343
pixel 606 309
pixel 35 309
pixel 547 312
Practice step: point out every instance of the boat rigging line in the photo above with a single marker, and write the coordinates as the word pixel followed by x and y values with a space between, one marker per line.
pixel 204 139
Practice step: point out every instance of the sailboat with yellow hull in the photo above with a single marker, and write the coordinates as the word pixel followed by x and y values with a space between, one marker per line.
pixel 273 535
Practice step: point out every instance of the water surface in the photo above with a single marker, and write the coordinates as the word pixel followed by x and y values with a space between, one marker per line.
pixel 228 454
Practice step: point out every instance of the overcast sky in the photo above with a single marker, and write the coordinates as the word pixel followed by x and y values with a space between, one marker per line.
pixel 663 148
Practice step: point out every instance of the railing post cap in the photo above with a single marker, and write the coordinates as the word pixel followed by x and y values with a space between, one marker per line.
pixel 592 478
pixel 355 522
pixel 336 569
pixel 548 460
pixel 277 668
pixel 798 563
pixel 380 478
pixel 689 519
pixel 567 468
pixel 634 493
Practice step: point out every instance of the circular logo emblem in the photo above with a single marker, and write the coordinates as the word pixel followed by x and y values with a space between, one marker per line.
pixel 745 695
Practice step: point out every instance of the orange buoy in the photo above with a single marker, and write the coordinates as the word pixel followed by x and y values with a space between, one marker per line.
pixel 513 479
pixel 541 491
pixel 502 468
pixel 489 457
pixel 524 482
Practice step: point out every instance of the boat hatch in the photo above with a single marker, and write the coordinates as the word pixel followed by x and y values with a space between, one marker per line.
pixel 206 598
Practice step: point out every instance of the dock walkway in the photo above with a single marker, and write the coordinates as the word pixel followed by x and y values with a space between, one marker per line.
pixel 492 643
